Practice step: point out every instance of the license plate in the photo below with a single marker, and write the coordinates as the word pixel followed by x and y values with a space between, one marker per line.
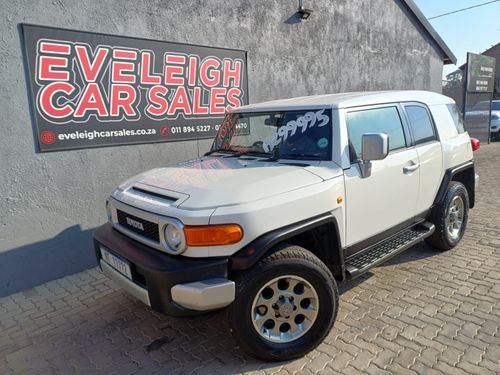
pixel 118 264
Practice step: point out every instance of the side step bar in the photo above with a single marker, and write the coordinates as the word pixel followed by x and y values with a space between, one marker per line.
pixel 383 251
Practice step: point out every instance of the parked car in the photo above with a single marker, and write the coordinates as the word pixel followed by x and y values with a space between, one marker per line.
pixel 479 114
pixel 309 193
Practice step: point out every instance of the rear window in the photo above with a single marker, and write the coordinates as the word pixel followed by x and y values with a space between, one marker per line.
pixel 421 124
pixel 457 118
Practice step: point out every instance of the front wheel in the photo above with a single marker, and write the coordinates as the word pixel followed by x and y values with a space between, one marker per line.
pixel 450 217
pixel 285 305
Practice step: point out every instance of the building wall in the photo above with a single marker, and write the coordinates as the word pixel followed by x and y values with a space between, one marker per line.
pixel 51 202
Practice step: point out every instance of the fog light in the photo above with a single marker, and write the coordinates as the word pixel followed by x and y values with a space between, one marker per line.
pixel 174 237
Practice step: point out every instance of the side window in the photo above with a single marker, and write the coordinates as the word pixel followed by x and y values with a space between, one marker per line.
pixel 377 120
pixel 421 124
pixel 456 118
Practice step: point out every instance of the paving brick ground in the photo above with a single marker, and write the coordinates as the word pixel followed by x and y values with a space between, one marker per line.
pixel 424 312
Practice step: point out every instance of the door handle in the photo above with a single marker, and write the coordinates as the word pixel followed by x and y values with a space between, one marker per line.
pixel 411 168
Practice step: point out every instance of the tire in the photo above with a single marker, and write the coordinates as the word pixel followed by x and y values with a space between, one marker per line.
pixel 263 284
pixel 441 217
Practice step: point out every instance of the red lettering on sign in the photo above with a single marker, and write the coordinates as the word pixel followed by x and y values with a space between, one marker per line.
pixel 198 108
pixel 174 74
pixel 90 70
pixel 47 71
pixel 180 102
pixel 91 100
pixel 124 54
pixel 57 48
pixel 121 72
pixel 158 103
pixel 193 66
pixel 146 77
pixel 233 98
pixel 230 73
pixel 46 99
pixel 217 101
pixel 209 75
pixel 122 96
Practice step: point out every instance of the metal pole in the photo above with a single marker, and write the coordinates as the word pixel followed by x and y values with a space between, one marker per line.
pixel 466 82
pixel 489 118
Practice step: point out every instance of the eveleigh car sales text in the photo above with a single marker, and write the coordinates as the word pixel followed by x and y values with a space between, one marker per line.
pixel 77 82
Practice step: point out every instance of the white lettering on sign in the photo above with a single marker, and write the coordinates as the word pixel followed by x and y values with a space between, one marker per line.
pixel 307 121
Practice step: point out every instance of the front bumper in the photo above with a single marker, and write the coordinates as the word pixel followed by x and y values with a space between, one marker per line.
pixel 171 285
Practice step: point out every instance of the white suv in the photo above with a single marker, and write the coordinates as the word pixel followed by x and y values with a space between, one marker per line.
pixel 294 197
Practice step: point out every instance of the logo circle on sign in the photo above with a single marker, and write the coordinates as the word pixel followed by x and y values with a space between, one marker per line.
pixel 47 137
pixel 165 131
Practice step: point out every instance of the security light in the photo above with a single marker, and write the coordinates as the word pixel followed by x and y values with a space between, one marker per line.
pixel 303 12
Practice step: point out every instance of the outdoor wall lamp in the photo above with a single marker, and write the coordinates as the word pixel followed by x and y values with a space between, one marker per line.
pixel 303 12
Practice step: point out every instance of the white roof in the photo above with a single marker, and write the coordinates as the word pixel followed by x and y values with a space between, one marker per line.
pixel 348 99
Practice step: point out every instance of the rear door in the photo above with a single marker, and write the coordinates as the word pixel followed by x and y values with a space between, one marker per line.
pixel 387 199
pixel 430 159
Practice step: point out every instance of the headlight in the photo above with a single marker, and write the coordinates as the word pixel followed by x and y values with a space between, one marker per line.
pixel 174 237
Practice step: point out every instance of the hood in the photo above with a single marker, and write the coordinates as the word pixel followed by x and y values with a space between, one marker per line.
pixel 223 181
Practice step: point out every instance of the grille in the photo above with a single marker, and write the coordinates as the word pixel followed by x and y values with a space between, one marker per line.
pixel 150 229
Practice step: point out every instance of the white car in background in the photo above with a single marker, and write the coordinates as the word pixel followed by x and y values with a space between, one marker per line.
pixel 479 114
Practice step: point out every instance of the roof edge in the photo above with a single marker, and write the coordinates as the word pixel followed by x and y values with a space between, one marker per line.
pixel 449 57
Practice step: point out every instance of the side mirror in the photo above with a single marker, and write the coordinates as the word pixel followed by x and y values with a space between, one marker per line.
pixel 374 146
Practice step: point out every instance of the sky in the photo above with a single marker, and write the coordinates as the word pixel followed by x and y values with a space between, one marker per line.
pixel 473 30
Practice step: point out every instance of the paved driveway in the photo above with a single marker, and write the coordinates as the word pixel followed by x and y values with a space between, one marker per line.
pixel 424 312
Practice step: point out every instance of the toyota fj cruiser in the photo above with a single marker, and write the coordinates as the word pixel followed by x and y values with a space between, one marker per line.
pixel 294 197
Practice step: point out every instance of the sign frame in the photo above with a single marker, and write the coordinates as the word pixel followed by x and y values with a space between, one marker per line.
pixel 51 134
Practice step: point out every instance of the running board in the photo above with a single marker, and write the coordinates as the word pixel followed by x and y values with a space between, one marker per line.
pixel 383 251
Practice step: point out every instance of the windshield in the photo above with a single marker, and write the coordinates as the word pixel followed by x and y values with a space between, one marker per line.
pixel 287 134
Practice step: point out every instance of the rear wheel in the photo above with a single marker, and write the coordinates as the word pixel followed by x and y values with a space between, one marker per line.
pixel 285 305
pixel 450 217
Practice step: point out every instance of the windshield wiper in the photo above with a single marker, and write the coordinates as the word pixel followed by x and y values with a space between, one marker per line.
pixel 259 154
pixel 222 150
pixel 301 155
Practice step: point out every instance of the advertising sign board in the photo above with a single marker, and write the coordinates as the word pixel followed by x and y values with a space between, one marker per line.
pixel 91 90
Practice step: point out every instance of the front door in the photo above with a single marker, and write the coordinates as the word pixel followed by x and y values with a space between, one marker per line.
pixel 388 197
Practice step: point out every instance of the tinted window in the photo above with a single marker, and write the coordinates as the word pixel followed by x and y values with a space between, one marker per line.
pixel 378 120
pixel 420 123
pixel 457 118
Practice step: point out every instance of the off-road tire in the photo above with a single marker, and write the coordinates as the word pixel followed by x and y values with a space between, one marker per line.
pixel 440 239
pixel 285 260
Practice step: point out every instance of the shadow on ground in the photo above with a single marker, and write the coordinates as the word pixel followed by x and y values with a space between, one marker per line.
pixel 68 252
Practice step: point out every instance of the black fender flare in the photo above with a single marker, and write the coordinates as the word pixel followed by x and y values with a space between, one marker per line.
pixel 448 177
pixel 261 246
